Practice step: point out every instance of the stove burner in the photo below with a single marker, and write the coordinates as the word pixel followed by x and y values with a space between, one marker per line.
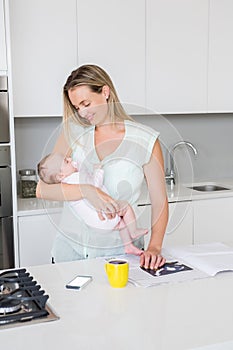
pixel 9 306
pixel 22 299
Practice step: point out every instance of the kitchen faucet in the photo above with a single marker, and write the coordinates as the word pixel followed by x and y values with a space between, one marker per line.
pixel 171 177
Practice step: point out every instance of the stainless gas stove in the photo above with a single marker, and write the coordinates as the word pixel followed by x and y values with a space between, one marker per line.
pixel 22 300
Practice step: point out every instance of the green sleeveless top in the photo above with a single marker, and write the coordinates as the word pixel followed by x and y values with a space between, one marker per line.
pixel 123 177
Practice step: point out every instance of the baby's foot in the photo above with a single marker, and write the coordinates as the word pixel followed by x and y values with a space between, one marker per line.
pixel 139 232
pixel 131 249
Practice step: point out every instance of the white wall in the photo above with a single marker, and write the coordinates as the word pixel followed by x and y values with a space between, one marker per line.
pixel 211 135
pixel 32 136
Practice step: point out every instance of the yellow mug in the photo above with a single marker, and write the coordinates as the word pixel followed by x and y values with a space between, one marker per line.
pixel 117 271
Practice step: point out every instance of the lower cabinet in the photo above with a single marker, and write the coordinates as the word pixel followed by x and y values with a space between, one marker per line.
pixel 180 226
pixel 36 236
pixel 213 220
pixel 190 222
pixel 197 221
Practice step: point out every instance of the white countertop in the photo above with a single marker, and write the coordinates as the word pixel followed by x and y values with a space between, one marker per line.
pixel 35 206
pixel 175 316
pixel 181 192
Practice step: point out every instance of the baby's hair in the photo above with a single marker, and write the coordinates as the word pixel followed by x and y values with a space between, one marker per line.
pixel 44 172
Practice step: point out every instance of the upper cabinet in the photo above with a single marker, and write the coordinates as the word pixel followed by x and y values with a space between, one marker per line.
pixel 112 34
pixel 189 54
pixel 176 55
pixel 44 51
pixel 50 38
pixel 3 60
pixel 220 73
pixel 164 56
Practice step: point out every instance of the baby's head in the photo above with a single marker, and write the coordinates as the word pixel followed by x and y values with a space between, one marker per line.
pixel 54 167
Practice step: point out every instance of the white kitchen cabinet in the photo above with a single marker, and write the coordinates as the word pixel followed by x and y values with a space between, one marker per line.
pixel 3 60
pixel 163 56
pixel 220 72
pixel 180 226
pixel 36 234
pixel 112 35
pixel 144 220
pixel 44 52
pixel 176 55
pixel 213 220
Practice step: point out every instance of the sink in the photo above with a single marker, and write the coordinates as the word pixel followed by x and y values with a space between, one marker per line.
pixel 208 188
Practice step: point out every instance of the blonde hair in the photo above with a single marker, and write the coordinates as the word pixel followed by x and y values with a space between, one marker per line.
pixel 95 78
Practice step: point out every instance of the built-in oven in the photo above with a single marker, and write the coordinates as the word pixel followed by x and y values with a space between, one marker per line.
pixel 4 111
pixel 6 219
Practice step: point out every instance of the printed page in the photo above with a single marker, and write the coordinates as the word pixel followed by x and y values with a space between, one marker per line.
pixel 203 249
pixel 212 263
pixel 141 278
pixel 210 258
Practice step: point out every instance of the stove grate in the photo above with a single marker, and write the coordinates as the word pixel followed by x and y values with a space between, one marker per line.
pixel 21 298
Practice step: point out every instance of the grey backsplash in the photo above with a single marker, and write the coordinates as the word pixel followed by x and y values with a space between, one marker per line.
pixel 211 134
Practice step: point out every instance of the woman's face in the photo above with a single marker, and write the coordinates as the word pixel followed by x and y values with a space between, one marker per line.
pixel 90 105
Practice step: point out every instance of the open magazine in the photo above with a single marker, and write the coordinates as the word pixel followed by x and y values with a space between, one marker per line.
pixel 184 263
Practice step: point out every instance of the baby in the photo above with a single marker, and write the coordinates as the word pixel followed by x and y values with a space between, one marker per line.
pixel 54 168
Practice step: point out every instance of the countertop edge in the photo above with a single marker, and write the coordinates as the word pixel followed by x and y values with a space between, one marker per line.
pixel 180 193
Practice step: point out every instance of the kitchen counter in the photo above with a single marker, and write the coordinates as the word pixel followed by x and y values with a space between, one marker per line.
pixel 177 316
pixel 35 206
pixel 180 193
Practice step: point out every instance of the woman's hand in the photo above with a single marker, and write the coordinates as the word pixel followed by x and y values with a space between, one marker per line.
pixel 152 259
pixel 105 205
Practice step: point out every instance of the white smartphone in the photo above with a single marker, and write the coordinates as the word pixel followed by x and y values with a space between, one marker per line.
pixel 79 282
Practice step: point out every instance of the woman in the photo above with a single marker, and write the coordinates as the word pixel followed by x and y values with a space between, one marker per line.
pixel 98 133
